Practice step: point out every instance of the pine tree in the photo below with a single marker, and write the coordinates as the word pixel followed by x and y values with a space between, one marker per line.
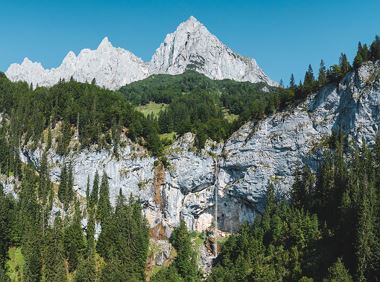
pixel 185 261
pixel 86 271
pixel 124 241
pixel 303 189
pixel 322 76
pixel 54 258
pixel 65 190
pixel 358 60
pixel 292 83
pixel 63 185
pixel 309 81
pixel 168 274
pixel 375 49
pixel 90 232
pixel 74 242
pixel 365 231
pixel 32 251
pixel 88 193
pixel 345 66
pixel 3 276
pixel 338 273
pixel 6 213
pixel 94 197
pixel 104 205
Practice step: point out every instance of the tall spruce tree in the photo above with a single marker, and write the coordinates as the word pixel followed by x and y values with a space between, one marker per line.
pixel 104 205
pixel 74 242
pixel 292 83
pixel 124 241
pixel 309 81
pixel 7 211
pixel 185 262
pixel 94 197
pixel 322 75
pixel 54 258
pixel 344 64
pixel 375 49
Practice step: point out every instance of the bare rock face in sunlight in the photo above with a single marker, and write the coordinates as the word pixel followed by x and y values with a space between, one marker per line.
pixel 192 46
pixel 110 67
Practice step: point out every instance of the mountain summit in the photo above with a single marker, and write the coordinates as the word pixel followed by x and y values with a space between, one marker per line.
pixel 191 46
pixel 111 67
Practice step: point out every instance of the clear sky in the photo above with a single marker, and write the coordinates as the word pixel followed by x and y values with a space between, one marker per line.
pixel 284 36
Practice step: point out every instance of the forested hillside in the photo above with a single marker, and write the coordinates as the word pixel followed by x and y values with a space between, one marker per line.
pixel 329 230
pixel 326 229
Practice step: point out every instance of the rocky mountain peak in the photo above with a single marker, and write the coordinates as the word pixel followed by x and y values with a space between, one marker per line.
pixel 190 25
pixel 105 44
pixel 193 46
pixel 190 46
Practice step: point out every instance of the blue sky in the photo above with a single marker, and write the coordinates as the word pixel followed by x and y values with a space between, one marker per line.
pixel 284 36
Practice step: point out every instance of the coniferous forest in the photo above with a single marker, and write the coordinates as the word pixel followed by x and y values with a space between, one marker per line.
pixel 326 229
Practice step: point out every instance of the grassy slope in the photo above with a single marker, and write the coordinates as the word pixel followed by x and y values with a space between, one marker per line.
pixel 151 108
pixel 15 264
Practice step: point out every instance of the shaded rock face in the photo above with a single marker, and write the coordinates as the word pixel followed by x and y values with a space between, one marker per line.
pixel 259 152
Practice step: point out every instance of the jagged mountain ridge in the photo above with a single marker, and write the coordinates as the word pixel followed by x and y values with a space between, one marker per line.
pixel 111 67
pixel 191 46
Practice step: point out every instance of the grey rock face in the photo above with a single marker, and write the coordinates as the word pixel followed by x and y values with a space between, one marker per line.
pixel 192 46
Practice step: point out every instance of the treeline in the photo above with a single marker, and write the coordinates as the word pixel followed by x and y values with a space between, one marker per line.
pixel 336 72
pixel 328 231
pixel 95 114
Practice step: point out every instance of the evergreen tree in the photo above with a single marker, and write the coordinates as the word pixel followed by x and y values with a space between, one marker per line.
pixel 309 81
pixel 375 49
pixel 344 64
pixel 185 262
pixel 365 230
pixel 74 242
pixel 94 197
pixel 63 185
pixel 3 276
pixel 338 273
pixel 358 60
pixel 90 232
pixel 124 241
pixel 302 191
pixel 292 83
pixel 6 213
pixel 54 258
pixel 65 190
pixel 88 200
pixel 169 274
pixel 322 75
pixel 86 271
pixel 104 205
pixel 32 251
